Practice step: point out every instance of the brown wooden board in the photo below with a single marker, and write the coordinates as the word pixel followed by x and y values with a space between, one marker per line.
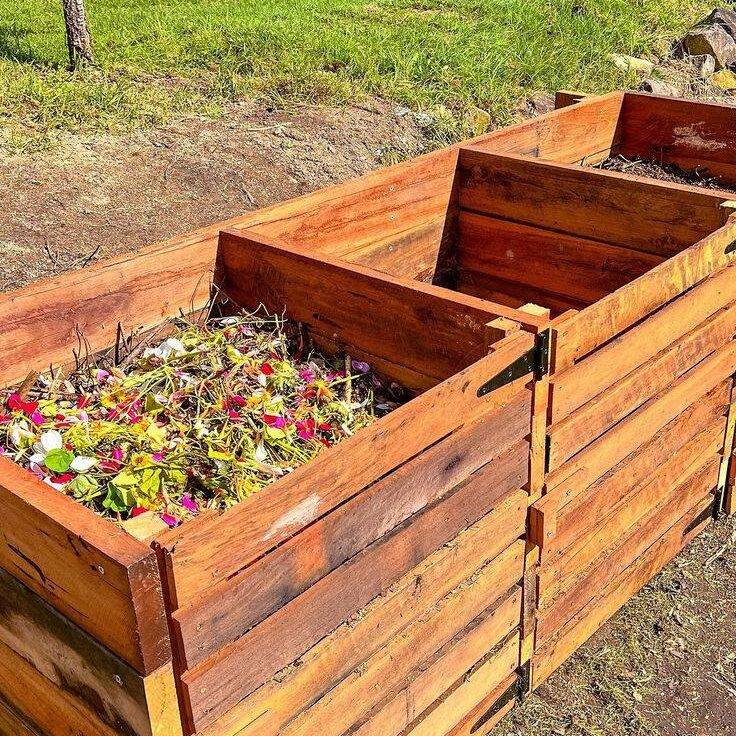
pixel 322 668
pixel 90 677
pixel 92 572
pixel 235 605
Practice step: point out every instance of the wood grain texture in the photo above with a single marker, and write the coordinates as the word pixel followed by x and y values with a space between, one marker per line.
pixel 95 574
pixel 278 701
pixel 587 203
pixel 83 669
pixel 218 683
pixel 235 605
pixel 630 390
pixel 623 308
pixel 205 551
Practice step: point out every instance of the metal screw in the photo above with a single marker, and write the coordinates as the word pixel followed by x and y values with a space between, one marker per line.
pixel 100 569
pixel 118 680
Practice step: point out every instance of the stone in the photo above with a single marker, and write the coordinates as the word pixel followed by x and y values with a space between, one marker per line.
pixel 714 36
pixel 632 63
pixel 705 65
pixel 540 103
pixel 658 87
pixel 724 79
pixel 477 120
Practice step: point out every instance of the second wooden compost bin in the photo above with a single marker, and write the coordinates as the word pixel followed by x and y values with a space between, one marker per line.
pixel 567 334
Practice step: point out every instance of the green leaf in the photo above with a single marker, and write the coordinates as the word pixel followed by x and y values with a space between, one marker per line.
pixel 58 461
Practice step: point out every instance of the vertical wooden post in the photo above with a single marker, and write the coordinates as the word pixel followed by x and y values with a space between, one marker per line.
pixel 727 474
pixel 78 37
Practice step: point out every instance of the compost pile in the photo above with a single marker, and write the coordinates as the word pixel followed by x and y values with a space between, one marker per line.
pixel 664 172
pixel 201 419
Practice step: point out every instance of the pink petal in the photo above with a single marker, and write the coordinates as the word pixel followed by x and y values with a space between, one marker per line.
pixel 169 520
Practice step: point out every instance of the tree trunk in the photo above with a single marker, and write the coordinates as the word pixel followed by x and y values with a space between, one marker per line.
pixel 78 38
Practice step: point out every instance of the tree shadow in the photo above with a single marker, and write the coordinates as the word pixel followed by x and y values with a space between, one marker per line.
pixel 15 47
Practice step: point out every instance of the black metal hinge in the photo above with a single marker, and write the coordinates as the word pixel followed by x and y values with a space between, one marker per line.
pixel 712 512
pixel 534 361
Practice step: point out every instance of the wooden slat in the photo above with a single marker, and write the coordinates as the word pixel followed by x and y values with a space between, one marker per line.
pixel 337 655
pixel 429 683
pixel 218 683
pixel 586 622
pixel 92 572
pixel 80 667
pixel 235 605
pixel 552 615
pixel 589 203
pixel 415 647
pixel 605 452
pixel 205 551
pixel 600 370
pixel 553 517
pixel 12 723
pixel 628 305
pixel 688 133
pixel 559 573
pixel 468 694
pixel 565 265
pixel 417 326
pixel 633 388
pixel 488 713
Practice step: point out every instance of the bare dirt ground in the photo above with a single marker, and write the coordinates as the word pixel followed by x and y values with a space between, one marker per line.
pixel 665 665
pixel 92 197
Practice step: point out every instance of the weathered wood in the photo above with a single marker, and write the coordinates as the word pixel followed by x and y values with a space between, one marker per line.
pixel 337 655
pixel 235 605
pixel 429 683
pixel 13 723
pixel 628 305
pixel 588 203
pixel 488 713
pixel 80 667
pixel 205 551
pixel 216 684
pixel 584 624
pixel 95 574
pixel 565 98
pixel 630 390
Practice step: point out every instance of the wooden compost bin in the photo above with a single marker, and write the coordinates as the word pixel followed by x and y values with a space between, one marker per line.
pixel 568 334
pixel 379 584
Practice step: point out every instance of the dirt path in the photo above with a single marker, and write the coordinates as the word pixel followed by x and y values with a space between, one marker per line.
pixel 93 197
pixel 664 666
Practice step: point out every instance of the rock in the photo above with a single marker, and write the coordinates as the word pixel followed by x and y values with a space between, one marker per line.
pixel 540 103
pixel 477 120
pixel 714 36
pixel 632 63
pixel 658 87
pixel 724 79
pixel 705 64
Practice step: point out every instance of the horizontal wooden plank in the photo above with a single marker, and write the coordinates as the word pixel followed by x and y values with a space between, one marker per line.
pixel 489 712
pixel 218 683
pixel 467 695
pixel 631 390
pixel 429 683
pixel 685 132
pixel 12 723
pixel 558 574
pixel 626 306
pixel 577 268
pixel 608 450
pixel 580 383
pixel 652 217
pixel 374 314
pixel 337 655
pixel 553 517
pixel 205 551
pixel 83 669
pixel 554 613
pixel 95 574
pixel 353 698
pixel 235 605
pixel 586 622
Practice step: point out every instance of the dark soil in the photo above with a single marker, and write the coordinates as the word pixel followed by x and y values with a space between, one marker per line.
pixel 665 172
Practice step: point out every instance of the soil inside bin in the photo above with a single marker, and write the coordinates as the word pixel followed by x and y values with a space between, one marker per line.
pixel 665 172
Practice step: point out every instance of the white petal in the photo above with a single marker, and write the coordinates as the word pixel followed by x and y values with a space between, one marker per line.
pixel 82 464
pixel 175 345
pixel 260 453
pixel 37 458
pixel 51 440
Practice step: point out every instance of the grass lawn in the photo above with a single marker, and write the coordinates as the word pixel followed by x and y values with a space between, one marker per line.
pixel 158 59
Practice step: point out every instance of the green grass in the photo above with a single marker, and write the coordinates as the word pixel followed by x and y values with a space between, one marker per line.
pixel 161 59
